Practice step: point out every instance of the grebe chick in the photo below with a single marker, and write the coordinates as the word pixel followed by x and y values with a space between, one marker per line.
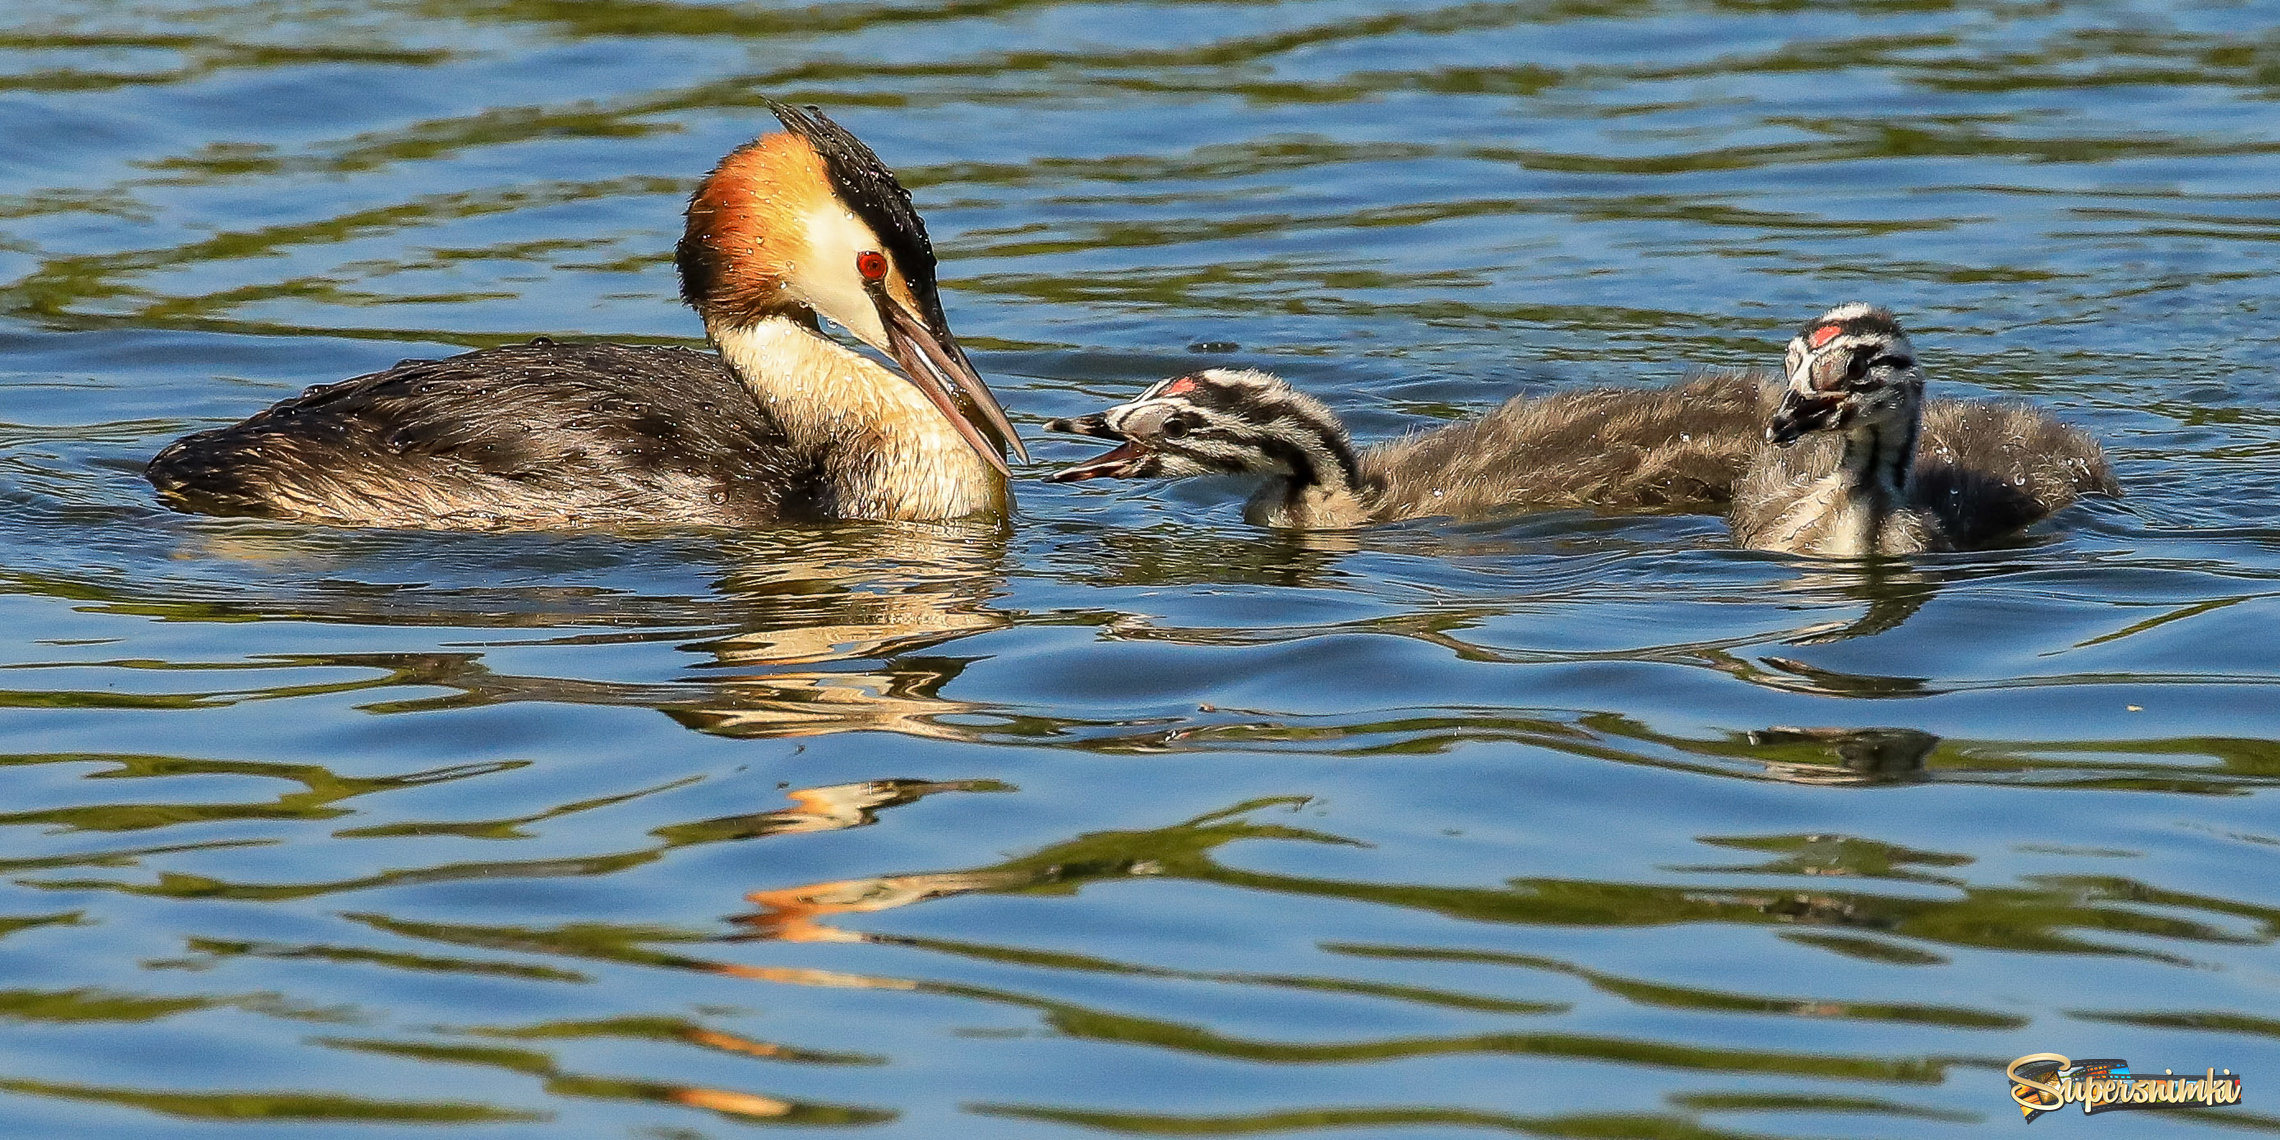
pixel 785 423
pixel 1673 448
pixel 1886 477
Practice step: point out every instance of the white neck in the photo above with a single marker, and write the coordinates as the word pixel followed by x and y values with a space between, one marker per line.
pixel 1877 473
pixel 1866 506
pixel 886 451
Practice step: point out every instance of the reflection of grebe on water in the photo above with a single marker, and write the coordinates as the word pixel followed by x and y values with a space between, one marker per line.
pixel 1863 756
pixel 796 913
pixel 834 629
pixel 812 629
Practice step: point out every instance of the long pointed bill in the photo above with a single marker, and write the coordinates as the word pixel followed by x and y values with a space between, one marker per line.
pixel 935 365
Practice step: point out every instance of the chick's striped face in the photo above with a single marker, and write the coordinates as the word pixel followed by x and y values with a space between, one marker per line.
pixel 1217 422
pixel 1851 365
pixel 1849 348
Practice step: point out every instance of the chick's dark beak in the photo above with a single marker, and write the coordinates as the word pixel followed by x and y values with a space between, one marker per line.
pixel 1800 414
pixel 1094 425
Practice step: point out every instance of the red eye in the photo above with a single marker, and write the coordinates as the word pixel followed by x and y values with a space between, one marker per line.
pixel 872 265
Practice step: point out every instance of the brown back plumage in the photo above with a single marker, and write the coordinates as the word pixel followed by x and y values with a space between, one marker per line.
pixel 532 435
pixel 1674 448
pixel 1987 469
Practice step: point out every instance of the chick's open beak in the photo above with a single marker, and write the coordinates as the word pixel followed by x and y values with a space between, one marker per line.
pixel 1122 462
pixel 1125 461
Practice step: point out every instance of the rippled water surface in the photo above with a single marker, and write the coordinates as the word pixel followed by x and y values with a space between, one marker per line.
pixel 1130 819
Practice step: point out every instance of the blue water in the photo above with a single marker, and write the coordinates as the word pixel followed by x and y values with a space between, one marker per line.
pixel 1134 820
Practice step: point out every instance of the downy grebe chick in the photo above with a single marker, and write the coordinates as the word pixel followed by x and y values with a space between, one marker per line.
pixel 1674 448
pixel 1888 477
pixel 785 423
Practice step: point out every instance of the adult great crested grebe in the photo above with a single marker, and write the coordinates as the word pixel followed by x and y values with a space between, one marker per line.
pixel 1674 448
pixel 1888 476
pixel 785 423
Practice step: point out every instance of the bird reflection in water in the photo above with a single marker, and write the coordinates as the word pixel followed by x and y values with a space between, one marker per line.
pixel 732 1102
pixel 1201 556
pixel 797 914
pixel 854 609
pixel 794 914
pixel 1186 852
pixel 807 630
pixel 834 807
pixel 1891 593
pixel 1863 756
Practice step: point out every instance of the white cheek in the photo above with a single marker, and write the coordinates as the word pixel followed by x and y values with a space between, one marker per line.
pixel 1143 421
pixel 827 280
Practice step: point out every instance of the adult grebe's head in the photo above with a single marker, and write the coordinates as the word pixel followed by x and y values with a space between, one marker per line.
pixel 809 222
